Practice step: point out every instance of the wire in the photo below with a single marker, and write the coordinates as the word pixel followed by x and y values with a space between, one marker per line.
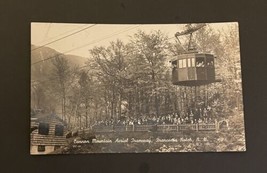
pixel 93 42
pixel 51 38
pixel 64 37
pixel 47 31
pixel 118 32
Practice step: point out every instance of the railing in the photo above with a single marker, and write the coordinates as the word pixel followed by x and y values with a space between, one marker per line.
pixel 206 126
pixel 104 128
pixel 142 128
pixel 158 128
pixel 119 128
pixel 167 128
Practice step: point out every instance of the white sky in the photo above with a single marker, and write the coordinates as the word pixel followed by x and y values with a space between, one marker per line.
pixel 98 35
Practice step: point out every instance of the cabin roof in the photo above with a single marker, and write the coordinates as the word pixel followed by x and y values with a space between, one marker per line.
pixel 50 139
pixel 47 118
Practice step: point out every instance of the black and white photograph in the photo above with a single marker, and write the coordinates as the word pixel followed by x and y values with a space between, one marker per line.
pixel 136 88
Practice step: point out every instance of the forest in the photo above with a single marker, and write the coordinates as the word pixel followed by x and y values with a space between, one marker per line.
pixel 133 79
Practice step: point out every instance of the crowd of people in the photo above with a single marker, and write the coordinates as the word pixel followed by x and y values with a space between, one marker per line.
pixel 191 116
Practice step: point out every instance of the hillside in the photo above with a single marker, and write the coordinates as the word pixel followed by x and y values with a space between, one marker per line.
pixel 40 70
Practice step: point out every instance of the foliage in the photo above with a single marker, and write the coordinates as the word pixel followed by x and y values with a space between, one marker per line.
pixel 134 79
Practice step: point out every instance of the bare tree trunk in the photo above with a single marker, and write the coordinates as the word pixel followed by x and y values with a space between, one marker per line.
pixel 86 113
pixel 119 105
pixel 62 108
pixel 113 102
pixel 80 116
pixel 157 105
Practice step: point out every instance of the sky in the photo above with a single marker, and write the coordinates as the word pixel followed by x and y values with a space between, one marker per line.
pixel 91 35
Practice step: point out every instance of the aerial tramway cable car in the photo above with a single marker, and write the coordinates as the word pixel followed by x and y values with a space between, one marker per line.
pixel 192 69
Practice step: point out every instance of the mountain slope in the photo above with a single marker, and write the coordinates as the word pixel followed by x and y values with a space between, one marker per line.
pixel 41 64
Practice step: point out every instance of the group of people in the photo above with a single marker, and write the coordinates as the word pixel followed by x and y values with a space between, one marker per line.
pixel 199 115
pixel 191 116
pixel 202 63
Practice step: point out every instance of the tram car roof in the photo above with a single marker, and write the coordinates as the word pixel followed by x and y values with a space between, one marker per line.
pixel 191 55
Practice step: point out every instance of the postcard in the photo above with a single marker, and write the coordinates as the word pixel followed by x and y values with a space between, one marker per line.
pixel 136 88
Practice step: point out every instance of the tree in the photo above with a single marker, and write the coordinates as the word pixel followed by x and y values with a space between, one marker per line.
pixel 225 46
pixel 112 62
pixel 149 66
pixel 61 75
pixel 85 93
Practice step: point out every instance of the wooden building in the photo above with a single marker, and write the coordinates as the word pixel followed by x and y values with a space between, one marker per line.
pixel 48 134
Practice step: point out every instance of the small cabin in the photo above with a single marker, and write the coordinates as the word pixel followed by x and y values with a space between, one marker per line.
pixel 48 134
pixel 193 69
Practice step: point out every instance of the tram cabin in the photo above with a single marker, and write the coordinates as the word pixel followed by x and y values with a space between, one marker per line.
pixel 193 69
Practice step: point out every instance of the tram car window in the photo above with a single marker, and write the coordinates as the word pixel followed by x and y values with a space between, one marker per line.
pixel 189 62
pixel 193 62
pixel 209 62
pixel 184 63
pixel 200 61
pixel 180 64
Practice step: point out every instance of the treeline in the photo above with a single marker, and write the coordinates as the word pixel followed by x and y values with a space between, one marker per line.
pixel 134 79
